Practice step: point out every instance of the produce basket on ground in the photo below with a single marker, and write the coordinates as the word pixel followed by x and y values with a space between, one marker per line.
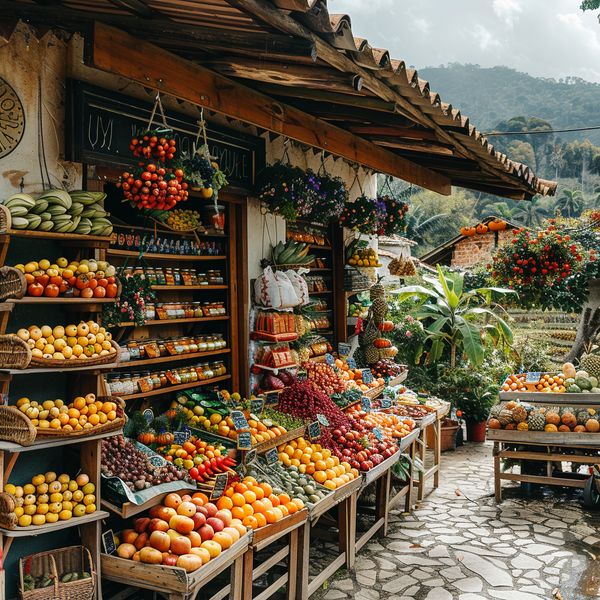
pixel 12 283
pixel 51 363
pixel 63 572
pixel 14 352
pixel 16 427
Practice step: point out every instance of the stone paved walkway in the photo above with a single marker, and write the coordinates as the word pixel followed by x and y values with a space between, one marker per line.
pixel 458 544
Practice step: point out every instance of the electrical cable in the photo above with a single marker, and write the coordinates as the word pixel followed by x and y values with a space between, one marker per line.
pixel 547 131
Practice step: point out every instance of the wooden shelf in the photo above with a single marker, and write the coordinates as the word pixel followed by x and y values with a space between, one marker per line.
pixel 59 300
pixel 44 442
pixel 50 527
pixel 176 388
pixel 320 293
pixel 189 234
pixel 320 247
pixel 75 239
pixel 320 269
pixel 158 256
pixel 166 359
pixel 178 288
pixel 156 322
pixel 36 371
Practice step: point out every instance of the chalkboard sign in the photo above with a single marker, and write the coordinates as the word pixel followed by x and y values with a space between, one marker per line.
pixel 272 398
pixel 250 457
pixel 365 403
pixel 239 420
pixel 108 542
pixel 157 461
pixel 180 437
pixel 344 348
pixel 385 402
pixel 271 456
pixel 533 377
pixel 351 363
pixel 220 485
pixel 148 415
pixel 244 440
pixel 329 359
pixel 301 375
pixel 378 434
pixel 367 376
pixel 257 406
pixel 314 430
pixel 323 420
pixel 102 124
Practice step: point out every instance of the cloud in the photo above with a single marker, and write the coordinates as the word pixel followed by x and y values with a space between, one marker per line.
pixel 422 25
pixel 507 10
pixel 485 38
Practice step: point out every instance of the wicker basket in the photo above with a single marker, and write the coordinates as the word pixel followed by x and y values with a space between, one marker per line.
pixel 52 363
pixel 8 503
pixel 15 426
pixel 57 563
pixel 5 219
pixel 12 283
pixel 14 352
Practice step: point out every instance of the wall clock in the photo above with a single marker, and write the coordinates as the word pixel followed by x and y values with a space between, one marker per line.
pixel 12 119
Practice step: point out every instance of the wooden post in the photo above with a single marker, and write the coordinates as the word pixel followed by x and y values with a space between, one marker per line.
pixel 497 466
pixel 437 431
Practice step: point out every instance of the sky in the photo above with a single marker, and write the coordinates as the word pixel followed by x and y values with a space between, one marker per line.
pixel 545 38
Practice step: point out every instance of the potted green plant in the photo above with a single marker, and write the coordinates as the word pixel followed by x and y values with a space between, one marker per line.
pixel 475 407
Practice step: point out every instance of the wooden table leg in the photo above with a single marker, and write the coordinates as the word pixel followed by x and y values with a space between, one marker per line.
pixel 382 505
pixel 293 564
pixel 351 544
pixel 422 450
pixel 237 579
pixel 302 571
pixel 497 467
pixel 437 431
pixel 409 493
pixel 247 571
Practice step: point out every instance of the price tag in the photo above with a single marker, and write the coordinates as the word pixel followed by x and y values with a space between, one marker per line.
pixel 148 415
pixel 108 541
pixel 157 461
pixel 220 485
pixel 180 437
pixel 329 359
pixel 272 398
pixel 378 434
pixel 385 402
pixel 314 430
pixel 323 420
pixel 244 440
pixel 250 457
pixel 344 348
pixel 301 375
pixel 257 405
pixel 367 376
pixel 533 377
pixel 351 363
pixel 365 404
pixel 239 420
pixel 271 456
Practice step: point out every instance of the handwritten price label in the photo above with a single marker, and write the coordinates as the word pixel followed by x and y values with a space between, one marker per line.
pixel 365 404
pixel 314 430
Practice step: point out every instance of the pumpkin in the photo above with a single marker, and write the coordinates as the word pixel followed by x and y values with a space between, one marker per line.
pixel 592 425
pixel 494 424
pixel 146 437
pixel 468 231
pixel 165 438
pixel 497 225
pixel 481 228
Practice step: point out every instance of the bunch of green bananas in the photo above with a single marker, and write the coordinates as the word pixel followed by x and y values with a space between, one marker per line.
pixel 78 212
pixel 291 253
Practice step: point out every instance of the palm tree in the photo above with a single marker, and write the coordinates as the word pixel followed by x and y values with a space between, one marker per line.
pixel 456 317
pixel 530 214
pixel 570 203
pixel 499 209
pixel 418 225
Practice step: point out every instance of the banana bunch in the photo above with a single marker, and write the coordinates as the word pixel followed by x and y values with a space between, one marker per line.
pixel 77 212
pixel 291 253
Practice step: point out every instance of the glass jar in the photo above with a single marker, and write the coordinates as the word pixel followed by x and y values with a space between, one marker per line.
pixel 177 276
pixel 150 312
pixel 220 341
pixel 134 350
pixel 194 277
pixel 162 348
pixel 145 383
pixel 202 343
pixel 160 276
pixel 208 372
pixel 128 385
pixel 202 279
pixel 189 311
pixel 197 308
pixel 193 346
pixel 156 383
pixel 163 379
pixel 151 275
pixel 169 276
pixel 186 276
pixel 218 368
pixel 211 344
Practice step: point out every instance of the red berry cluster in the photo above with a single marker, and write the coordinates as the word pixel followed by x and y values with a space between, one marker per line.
pixel 154 187
pixel 153 147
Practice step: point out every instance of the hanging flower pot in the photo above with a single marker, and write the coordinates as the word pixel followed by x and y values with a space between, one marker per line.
pixel 361 215
pixel 392 219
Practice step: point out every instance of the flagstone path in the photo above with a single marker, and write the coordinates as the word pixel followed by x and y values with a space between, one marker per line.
pixel 459 545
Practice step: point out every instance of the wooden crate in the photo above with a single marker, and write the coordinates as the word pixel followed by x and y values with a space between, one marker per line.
pixel 174 583
pixel 559 438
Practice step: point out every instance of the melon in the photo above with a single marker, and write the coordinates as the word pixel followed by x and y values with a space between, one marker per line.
pixel 583 382
pixel 569 370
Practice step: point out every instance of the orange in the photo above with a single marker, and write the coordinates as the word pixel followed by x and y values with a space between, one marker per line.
pixel 240 488
pixel 224 502
pixel 268 490
pixel 298 503
pixel 284 498
pixel 229 492
pixel 223 539
pixel 73 413
pixel 248 510
pixel 283 510
pixel 258 507
pixel 201 496
pixel 271 516
pixel 320 465
pixel 291 508
pixel 260 519
pixel 267 503
pixel 278 512
pixel 237 512
pixel 251 522
pixel 63 418
pixel 93 419
pixel 250 496
pixel 238 499
pixel 320 476
pixel 79 403
pixel 260 493
pixel 274 500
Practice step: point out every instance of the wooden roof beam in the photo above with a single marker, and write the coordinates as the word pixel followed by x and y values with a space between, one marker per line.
pixel 117 52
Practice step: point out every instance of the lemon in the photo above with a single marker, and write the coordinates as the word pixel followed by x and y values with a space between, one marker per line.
pixel 24 520
pixel 9 488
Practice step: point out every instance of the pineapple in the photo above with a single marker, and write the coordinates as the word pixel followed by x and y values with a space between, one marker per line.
pixel 379 305
pixel 536 421
pixel 371 355
pixel 591 364
pixel 582 417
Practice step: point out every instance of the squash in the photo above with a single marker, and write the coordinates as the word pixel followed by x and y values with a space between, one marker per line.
pixel 481 228
pixel 146 437
pixel 497 225
pixel 467 231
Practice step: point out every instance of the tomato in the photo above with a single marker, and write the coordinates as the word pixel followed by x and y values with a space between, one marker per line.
pixel 42 279
pixel 51 290
pixel 63 287
pixel 82 282
pixel 102 282
pixel 71 280
pixel 111 290
pixel 56 280
pixel 99 292
pixel 93 283
pixel 35 289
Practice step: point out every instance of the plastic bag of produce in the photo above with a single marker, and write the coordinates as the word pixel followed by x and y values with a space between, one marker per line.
pixel 299 284
pixel 287 293
pixel 275 290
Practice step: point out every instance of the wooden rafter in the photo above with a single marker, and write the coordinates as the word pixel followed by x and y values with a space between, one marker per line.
pixel 117 52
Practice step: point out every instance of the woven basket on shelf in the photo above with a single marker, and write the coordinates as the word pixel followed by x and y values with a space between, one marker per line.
pixel 15 426
pixel 51 363
pixel 5 219
pixel 8 520
pixel 14 352
pixel 12 283
pixel 73 559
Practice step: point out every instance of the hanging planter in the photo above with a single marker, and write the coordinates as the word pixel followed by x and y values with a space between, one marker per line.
pixel 332 197
pixel 392 217
pixel 361 215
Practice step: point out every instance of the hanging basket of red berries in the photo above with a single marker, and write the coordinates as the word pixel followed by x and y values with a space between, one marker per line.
pixel 156 183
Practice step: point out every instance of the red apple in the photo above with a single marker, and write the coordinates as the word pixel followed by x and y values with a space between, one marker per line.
pixel 160 540
pixel 128 536
pixel 188 509
pixel 194 538
pixel 199 520
pixel 162 512
pixel 158 525
pixel 169 560
pixel 141 540
pixel 225 516
pixel 181 545
pixel 211 508
pixel 206 532
pixel 216 524
pixel 202 510
pixel 141 524
pixel 182 524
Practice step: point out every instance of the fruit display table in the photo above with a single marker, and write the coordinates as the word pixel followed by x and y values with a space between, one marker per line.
pixel 174 583
pixel 263 538
pixel 344 499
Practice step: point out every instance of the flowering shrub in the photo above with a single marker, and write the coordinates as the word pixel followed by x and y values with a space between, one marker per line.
pixel 409 336
pixel 131 304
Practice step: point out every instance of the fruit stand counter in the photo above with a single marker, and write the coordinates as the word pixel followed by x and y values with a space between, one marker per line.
pixel 174 583
pixel 344 498
pixel 264 537
pixel 545 447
